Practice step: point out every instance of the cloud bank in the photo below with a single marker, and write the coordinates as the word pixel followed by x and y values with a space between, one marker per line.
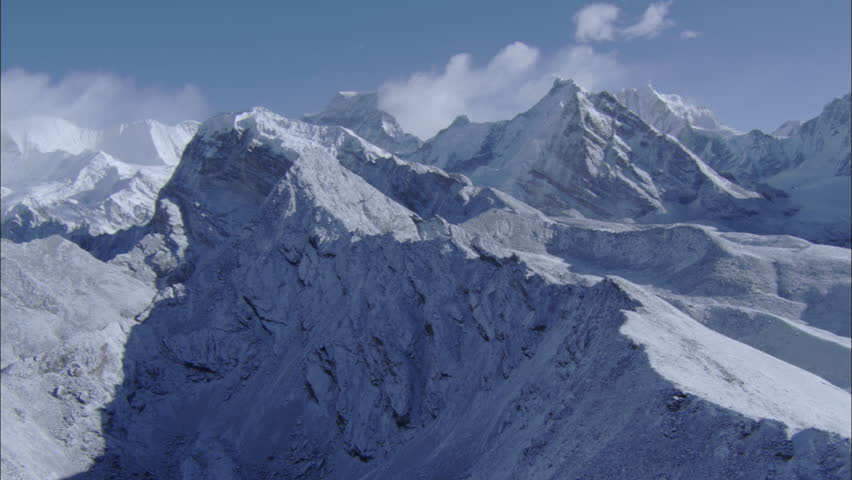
pixel 511 82
pixel 95 100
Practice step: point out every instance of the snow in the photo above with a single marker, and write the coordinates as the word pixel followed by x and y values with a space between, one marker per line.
pixel 802 160
pixel 788 129
pixel 733 375
pixel 360 113
pixel 671 113
pixel 98 181
pixel 65 318
pixel 580 152
pixel 50 134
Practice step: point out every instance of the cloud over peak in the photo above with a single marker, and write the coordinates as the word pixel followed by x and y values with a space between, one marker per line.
pixel 517 76
pixel 511 82
pixel 95 100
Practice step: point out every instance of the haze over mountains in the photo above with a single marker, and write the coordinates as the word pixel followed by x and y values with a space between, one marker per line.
pixel 604 285
pixel 58 177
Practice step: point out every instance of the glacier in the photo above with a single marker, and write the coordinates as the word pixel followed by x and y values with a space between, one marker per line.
pixel 304 303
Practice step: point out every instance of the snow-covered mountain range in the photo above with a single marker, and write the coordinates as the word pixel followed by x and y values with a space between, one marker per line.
pixel 576 152
pixel 530 304
pixel 61 178
pixel 808 163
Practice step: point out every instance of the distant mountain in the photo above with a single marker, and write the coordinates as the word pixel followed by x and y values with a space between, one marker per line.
pixel 669 113
pixel 360 113
pixel 806 162
pixel 578 152
pixel 58 177
pixel 788 129
pixel 820 183
pixel 822 145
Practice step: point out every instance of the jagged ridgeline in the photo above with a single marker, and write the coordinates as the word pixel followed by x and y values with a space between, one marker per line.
pixel 305 304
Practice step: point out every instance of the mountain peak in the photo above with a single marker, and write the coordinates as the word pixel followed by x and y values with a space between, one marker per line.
pixel 563 94
pixel 671 113
pixel 360 113
pixel 353 100
pixel 47 134
pixel 788 129
pixel 563 85
pixel 649 90
pixel 460 120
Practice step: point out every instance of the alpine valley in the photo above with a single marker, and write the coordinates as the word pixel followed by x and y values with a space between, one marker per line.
pixel 604 286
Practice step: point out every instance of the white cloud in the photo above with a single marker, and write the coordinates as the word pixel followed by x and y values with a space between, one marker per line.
pixel 95 99
pixel 653 22
pixel 510 83
pixel 689 34
pixel 518 76
pixel 596 22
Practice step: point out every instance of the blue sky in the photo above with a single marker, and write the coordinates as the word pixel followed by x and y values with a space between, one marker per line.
pixel 756 63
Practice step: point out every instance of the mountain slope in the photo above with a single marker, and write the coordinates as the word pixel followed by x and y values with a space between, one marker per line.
pixel 788 129
pixel 581 152
pixel 820 185
pixel 810 166
pixel 65 320
pixel 755 156
pixel 328 311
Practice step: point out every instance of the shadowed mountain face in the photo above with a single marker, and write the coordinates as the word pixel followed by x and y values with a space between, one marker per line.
pixel 327 311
